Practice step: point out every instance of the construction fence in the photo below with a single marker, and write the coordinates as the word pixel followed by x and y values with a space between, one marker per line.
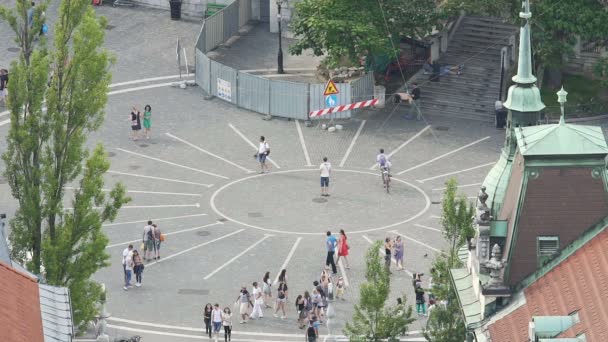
pixel 293 100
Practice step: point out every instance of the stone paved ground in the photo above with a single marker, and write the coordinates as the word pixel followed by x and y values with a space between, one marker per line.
pixel 192 178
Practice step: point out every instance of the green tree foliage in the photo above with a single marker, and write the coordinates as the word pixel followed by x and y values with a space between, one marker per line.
pixel 373 320
pixel 456 219
pixel 445 323
pixel 349 29
pixel 46 150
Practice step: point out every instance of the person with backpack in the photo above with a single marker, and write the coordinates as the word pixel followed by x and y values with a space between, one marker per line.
pixel 244 302
pixel 312 332
pixel 383 161
pixel 281 299
pixel 301 309
pixel 158 238
pixel 325 170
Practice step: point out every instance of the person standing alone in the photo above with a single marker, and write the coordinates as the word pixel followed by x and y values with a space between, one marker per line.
pixel 325 170
pixel 331 250
pixel 263 152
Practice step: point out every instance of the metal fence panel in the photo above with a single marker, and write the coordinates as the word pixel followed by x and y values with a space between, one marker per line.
pixel 202 71
pixel 200 40
pixel 224 82
pixel 245 13
pixel 362 89
pixel 289 99
pixel 214 31
pixel 231 20
pixel 254 93
pixel 317 100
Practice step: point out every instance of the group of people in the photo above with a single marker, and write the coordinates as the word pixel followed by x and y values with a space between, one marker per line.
pixel 133 262
pixel 136 118
pixel 216 318
pixel 393 247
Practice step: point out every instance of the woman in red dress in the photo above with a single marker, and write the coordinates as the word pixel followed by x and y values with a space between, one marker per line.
pixel 343 248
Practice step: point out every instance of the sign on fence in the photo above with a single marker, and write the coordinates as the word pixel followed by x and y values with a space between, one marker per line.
pixel 224 90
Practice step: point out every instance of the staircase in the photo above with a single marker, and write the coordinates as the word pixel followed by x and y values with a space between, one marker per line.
pixel 476 44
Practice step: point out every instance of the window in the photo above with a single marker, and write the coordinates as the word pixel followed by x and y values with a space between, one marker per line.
pixel 546 248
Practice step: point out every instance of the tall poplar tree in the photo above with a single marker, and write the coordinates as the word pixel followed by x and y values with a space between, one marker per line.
pixel 47 149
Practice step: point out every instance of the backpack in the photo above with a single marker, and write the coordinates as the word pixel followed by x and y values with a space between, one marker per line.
pixel 151 234
pixel 382 160
pixel 308 305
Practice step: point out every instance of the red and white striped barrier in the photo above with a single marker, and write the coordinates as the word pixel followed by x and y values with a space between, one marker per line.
pixel 343 108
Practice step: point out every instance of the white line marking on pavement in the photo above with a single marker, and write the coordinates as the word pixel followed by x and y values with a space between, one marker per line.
pixel 209 153
pixel 158 178
pixel 266 236
pixel 2 123
pixel 153 220
pixel 456 172
pixel 145 192
pixel 460 186
pixel 250 143
pixel 343 272
pixel 444 155
pixel 283 231
pixel 392 257
pixel 128 90
pixel 435 216
pixel 352 144
pixel 286 262
pixel 404 144
pixel 416 241
pixel 427 227
pixel 195 247
pixel 6 112
pixel 143 80
pixel 171 163
pixel 171 233
pixel 197 205
pixel 304 149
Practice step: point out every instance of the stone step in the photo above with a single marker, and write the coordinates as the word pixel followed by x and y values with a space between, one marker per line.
pixel 490 44
pixel 495 25
pixel 459 94
pixel 430 112
pixel 475 32
pixel 455 82
pixel 472 39
pixel 481 51
pixel 480 107
pixel 489 19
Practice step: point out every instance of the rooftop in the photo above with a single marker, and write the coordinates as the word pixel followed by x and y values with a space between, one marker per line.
pixel 561 139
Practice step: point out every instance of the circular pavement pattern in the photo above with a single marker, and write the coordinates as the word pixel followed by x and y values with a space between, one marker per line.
pixel 275 202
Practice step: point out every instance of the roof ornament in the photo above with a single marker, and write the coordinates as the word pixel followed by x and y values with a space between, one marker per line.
pixel 495 265
pixel 561 98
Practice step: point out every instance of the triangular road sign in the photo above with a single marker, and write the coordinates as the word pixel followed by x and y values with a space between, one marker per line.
pixel 330 88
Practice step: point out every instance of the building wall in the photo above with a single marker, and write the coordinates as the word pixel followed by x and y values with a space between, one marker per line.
pixel 560 201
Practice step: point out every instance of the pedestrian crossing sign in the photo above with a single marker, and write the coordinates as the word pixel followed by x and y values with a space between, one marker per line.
pixel 330 88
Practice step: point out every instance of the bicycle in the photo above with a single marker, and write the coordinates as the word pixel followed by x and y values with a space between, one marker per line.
pixel 386 178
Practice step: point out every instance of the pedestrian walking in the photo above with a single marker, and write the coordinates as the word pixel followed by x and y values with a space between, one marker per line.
pixel 216 320
pixel 207 318
pixel 420 302
pixel 258 301
pixel 148 241
pixel 301 309
pixel 262 154
pixel 147 121
pixel 330 244
pixel 398 247
pixel 158 238
pixel 340 288
pixel 267 289
pixel 343 248
pixel 138 268
pixel 281 300
pixel 244 302
pixel 126 254
pixel 325 170
pixel 227 323
pixel 3 86
pixel 312 332
pixel 388 254
pixel 317 302
pixel 283 279
pixel 129 269
pixel 414 110
pixel 135 119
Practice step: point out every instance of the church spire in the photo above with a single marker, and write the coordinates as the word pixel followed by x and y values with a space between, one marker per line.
pixel 524 96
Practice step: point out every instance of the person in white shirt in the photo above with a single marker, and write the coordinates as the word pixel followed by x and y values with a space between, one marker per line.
pixel 148 240
pixel 263 152
pixel 383 161
pixel 325 170
pixel 216 319
pixel 258 302
pixel 127 253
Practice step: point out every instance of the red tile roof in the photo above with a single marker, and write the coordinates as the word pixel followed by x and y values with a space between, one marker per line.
pixel 20 316
pixel 579 283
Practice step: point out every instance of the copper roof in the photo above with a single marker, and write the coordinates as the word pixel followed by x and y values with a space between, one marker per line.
pixel 577 284
pixel 20 316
